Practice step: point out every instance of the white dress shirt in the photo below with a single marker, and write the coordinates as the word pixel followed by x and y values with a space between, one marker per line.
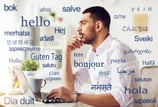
pixel 110 70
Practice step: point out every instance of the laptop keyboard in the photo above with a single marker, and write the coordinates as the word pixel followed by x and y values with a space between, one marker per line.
pixel 54 100
pixel 43 97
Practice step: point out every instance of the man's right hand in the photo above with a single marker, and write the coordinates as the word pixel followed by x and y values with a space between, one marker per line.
pixel 74 43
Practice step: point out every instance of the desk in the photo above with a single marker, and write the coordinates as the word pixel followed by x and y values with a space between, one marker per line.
pixel 25 101
pixel 16 100
pixel 21 99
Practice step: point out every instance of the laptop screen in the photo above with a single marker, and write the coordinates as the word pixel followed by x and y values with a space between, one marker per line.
pixel 23 82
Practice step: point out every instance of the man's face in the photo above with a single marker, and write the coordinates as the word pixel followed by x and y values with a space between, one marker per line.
pixel 87 29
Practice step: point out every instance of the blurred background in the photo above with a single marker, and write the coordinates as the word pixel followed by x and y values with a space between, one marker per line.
pixel 133 21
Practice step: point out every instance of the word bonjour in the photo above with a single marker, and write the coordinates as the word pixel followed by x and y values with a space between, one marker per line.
pixel 24 100
pixel 88 64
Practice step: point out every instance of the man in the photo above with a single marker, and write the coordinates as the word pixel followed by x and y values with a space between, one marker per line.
pixel 109 69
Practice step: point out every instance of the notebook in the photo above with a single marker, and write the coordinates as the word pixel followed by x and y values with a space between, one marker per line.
pixel 41 97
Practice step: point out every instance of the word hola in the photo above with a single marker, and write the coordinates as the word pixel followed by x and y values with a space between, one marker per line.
pixel 10 7
pixel 71 9
pixel 138 90
pixel 39 21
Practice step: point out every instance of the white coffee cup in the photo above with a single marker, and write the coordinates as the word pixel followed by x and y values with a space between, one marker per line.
pixel 36 84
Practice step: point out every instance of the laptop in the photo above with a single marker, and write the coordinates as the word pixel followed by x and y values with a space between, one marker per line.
pixel 40 97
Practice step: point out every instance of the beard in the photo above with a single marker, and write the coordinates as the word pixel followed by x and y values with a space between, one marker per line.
pixel 89 39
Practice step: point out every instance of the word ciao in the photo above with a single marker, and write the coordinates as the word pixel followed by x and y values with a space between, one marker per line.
pixel 12 100
pixel 71 9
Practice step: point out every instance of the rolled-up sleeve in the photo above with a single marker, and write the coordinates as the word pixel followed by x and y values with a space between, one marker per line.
pixel 122 78
pixel 81 76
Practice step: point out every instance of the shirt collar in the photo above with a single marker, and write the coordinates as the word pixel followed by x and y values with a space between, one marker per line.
pixel 103 46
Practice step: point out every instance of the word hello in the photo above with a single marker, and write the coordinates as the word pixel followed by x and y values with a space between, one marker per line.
pixel 39 21
pixel 12 7
pixel 11 100
pixel 71 9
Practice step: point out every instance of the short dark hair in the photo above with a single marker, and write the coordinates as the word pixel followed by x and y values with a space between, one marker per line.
pixel 99 13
